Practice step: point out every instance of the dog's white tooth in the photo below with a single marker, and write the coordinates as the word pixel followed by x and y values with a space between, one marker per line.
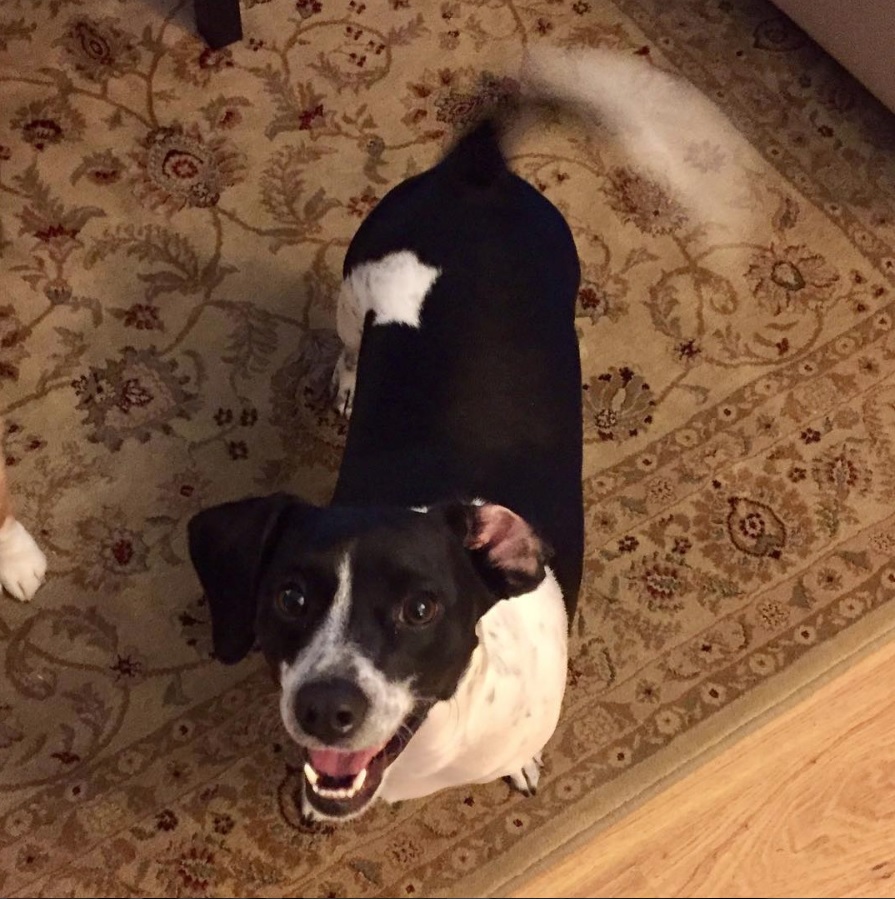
pixel 329 794
pixel 338 793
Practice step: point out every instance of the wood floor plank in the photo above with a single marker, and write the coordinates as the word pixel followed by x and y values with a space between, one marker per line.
pixel 804 806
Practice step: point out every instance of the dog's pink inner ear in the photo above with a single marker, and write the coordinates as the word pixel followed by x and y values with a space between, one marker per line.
pixel 508 539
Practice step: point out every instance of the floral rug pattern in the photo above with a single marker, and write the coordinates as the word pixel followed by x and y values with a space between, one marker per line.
pixel 172 226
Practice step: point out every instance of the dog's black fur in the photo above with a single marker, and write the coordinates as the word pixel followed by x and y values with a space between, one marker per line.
pixel 484 399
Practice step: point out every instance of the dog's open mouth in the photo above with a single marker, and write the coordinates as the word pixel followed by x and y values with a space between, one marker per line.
pixel 340 784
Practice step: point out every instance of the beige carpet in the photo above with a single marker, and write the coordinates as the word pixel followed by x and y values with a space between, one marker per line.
pixel 172 225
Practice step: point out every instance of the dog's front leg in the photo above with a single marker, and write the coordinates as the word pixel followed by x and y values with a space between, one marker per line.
pixel 525 780
pixel 22 564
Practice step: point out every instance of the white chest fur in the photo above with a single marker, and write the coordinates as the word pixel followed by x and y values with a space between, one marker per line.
pixel 506 706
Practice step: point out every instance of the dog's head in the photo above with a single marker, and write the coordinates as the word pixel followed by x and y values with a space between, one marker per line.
pixel 367 616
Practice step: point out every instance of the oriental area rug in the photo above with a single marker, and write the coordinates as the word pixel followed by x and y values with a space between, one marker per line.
pixel 173 222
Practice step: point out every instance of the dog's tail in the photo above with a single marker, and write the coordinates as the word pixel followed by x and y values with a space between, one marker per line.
pixel 651 114
pixel 478 156
pixel 646 111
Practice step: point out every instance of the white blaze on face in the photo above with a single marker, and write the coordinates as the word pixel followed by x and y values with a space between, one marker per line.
pixel 320 654
pixel 331 654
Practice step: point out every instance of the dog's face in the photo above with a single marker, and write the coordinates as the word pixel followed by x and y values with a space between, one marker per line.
pixel 366 616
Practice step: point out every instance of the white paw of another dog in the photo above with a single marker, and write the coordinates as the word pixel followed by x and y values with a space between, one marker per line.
pixel 22 564
pixel 344 378
pixel 526 779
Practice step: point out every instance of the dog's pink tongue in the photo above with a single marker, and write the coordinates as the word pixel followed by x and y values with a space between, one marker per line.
pixel 337 763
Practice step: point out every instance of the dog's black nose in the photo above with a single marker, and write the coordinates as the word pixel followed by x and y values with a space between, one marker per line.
pixel 330 710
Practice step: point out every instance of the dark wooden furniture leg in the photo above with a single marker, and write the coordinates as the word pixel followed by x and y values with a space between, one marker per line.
pixel 218 22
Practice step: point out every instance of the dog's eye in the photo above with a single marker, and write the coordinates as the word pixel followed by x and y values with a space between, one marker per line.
pixel 291 602
pixel 418 611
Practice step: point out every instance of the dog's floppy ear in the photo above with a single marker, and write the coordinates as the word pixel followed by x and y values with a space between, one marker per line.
pixel 227 543
pixel 505 549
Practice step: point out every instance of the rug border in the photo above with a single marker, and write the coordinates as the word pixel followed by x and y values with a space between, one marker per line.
pixel 738 719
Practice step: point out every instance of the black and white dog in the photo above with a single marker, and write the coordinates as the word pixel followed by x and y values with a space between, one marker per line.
pixel 418 624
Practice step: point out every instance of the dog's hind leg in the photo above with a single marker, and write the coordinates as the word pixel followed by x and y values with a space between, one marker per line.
pixel 525 780
pixel 350 326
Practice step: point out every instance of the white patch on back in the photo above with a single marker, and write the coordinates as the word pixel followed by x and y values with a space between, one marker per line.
pixel 331 654
pixel 394 287
pixel 506 705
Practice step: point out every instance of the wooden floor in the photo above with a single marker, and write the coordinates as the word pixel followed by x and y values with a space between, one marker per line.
pixel 804 806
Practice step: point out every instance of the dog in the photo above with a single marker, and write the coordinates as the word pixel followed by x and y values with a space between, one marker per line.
pixel 22 564
pixel 418 624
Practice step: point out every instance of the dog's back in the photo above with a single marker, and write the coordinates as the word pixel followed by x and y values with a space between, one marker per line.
pixel 480 393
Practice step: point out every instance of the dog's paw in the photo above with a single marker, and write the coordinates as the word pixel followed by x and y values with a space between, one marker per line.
pixel 525 780
pixel 22 564
pixel 344 378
